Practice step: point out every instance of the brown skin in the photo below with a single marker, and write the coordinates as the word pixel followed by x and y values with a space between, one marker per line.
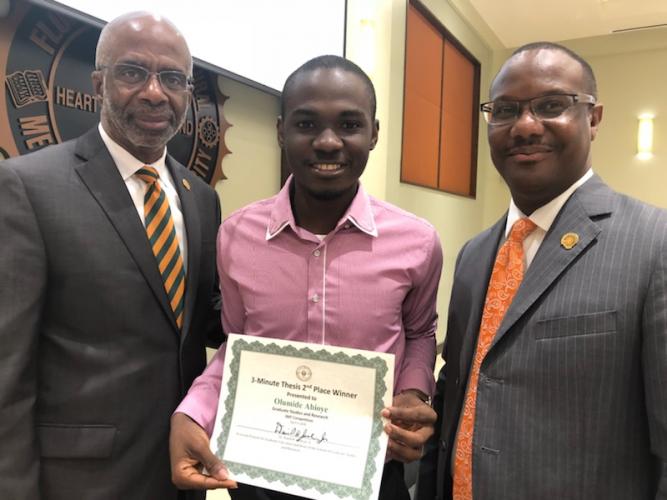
pixel 189 450
pixel 327 120
pixel 541 159
pixel 411 425
pixel 142 119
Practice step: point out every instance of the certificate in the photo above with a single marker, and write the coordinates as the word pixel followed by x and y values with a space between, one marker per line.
pixel 303 418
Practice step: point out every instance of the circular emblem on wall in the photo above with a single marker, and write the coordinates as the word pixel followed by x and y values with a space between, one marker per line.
pixel 304 373
pixel 208 132
pixel 46 59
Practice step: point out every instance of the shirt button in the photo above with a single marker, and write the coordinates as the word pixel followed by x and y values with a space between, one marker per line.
pixel 316 298
pixel 346 226
pixel 316 253
pixel 443 445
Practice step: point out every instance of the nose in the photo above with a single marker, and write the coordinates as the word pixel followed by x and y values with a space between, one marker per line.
pixel 152 90
pixel 327 140
pixel 527 124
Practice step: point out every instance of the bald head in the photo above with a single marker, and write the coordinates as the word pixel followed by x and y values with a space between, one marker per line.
pixel 141 111
pixel 134 23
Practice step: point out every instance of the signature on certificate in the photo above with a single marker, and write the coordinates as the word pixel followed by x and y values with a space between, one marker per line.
pixel 299 435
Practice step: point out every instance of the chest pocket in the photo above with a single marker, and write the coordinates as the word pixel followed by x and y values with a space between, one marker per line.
pixel 75 441
pixel 571 326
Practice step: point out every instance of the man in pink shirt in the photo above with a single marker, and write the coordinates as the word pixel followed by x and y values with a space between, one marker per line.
pixel 324 262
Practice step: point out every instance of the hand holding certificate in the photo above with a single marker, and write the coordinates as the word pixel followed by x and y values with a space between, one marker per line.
pixel 303 418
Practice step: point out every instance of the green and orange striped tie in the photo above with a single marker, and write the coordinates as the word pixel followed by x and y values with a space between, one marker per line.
pixel 164 242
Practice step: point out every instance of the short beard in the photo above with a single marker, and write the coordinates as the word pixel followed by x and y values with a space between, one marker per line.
pixel 135 135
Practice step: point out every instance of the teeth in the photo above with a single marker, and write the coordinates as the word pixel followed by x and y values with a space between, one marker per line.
pixel 327 166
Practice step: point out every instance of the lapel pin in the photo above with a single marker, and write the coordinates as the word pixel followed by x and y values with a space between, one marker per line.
pixel 569 240
pixel 186 184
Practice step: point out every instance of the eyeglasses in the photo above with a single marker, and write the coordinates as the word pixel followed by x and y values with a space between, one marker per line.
pixel 137 76
pixel 544 107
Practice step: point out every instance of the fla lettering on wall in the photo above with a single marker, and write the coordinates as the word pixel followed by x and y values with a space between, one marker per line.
pixel 46 59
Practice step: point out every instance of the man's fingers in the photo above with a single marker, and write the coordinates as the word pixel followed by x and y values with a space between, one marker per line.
pixel 410 426
pixel 409 438
pixel 190 454
pixel 185 476
pixel 200 452
pixel 218 471
pixel 421 414
pixel 400 451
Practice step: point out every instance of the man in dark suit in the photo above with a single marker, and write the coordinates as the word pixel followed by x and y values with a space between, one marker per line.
pixel 99 344
pixel 568 401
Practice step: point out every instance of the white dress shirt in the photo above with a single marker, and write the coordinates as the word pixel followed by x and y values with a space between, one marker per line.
pixel 128 165
pixel 543 217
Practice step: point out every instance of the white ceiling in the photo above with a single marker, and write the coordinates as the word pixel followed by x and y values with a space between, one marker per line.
pixel 516 22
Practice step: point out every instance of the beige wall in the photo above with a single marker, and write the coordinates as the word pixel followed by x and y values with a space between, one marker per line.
pixel 631 71
pixel 455 218
pixel 253 167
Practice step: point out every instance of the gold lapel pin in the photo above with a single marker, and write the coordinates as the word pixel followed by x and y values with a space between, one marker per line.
pixel 569 240
pixel 186 184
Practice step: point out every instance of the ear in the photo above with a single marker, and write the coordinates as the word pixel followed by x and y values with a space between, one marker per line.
pixel 280 132
pixel 189 96
pixel 375 133
pixel 595 119
pixel 98 82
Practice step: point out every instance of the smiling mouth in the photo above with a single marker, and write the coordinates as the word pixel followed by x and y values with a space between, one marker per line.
pixel 153 119
pixel 529 150
pixel 153 124
pixel 327 167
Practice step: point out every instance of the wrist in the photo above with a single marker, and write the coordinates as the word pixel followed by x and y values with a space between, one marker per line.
pixel 425 398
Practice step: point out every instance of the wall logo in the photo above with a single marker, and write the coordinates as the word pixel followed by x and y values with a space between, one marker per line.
pixel 46 60
pixel 26 87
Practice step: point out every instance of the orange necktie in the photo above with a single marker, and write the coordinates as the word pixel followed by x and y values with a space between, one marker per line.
pixel 164 242
pixel 505 279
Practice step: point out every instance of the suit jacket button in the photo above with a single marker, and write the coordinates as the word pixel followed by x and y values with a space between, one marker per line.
pixel 443 445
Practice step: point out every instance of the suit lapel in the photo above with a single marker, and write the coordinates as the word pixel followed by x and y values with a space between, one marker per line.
pixel 106 185
pixel 193 232
pixel 552 259
pixel 483 254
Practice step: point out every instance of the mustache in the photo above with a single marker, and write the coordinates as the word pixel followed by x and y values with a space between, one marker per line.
pixel 155 112
pixel 529 143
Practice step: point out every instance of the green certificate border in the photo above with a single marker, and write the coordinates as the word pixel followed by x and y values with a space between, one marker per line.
pixel 376 363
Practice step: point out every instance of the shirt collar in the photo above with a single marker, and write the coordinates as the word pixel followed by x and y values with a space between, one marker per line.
pixel 126 163
pixel 544 216
pixel 359 213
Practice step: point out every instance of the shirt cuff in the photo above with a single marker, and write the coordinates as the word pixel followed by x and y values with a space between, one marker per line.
pixel 416 379
pixel 192 409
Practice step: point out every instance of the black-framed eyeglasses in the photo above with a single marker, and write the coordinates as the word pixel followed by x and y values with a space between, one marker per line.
pixel 544 107
pixel 137 76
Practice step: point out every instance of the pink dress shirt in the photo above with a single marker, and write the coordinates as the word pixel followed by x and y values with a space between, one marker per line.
pixel 371 283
